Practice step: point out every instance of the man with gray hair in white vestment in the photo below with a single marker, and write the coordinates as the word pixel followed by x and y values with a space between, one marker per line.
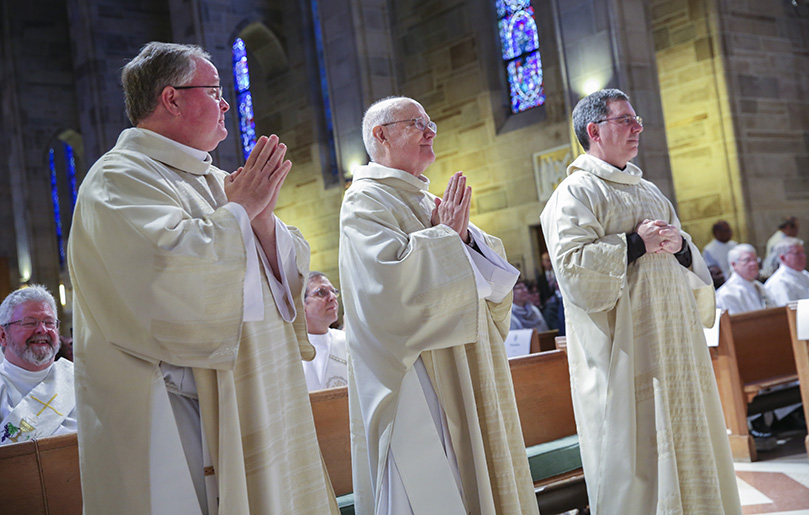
pixel 427 298
pixel 36 392
pixel 188 320
pixel 790 281
pixel 743 292
pixel 637 295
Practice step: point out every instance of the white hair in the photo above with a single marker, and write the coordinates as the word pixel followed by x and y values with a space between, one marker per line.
pixel 736 252
pixel 783 246
pixel 380 112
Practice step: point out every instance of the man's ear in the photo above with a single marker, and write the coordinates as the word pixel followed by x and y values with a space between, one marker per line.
pixel 593 131
pixel 3 336
pixel 379 134
pixel 168 99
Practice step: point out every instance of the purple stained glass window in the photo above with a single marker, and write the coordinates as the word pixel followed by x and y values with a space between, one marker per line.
pixel 241 77
pixel 519 42
pixel 56 214
pixel 525 82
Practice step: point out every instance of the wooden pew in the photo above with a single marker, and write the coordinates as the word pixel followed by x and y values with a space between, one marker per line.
pixel 801 351
pixel 754 353
pixel 542 390
pixel 41 476
pixel 544 341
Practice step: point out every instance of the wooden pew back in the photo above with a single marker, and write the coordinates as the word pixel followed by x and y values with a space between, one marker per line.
pixel 41 476
pixel 542 390
pixel 763 345
pixel 330 410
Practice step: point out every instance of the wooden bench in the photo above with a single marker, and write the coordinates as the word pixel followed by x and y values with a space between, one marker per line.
pixel 542 391
pixel 754 354
pixel 801 350
pixel 41 476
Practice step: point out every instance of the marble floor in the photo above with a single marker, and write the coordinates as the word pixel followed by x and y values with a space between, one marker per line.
pixel 777 484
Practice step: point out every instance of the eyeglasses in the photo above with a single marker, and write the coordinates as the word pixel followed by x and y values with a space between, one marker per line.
pixel 419 123
pixel 746 260
pixel 217 95
pixel 624 120
pixel 33 323
pixel 323 292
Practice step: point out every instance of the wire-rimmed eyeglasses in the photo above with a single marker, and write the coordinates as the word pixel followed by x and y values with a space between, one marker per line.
pixel 626 119
pixel 217 95
pixel 323 292
pixel 32 323
pixel 418 122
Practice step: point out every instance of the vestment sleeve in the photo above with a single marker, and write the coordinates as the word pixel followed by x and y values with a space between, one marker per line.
pixel 176 279
pixel 591 264
pixel 411 291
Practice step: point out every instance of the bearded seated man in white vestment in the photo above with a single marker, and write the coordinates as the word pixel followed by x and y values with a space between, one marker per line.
pixel 637 296
pixel 434 423
pixel 742 292
pixel 36 394
pixel 791 281
pixel 188 317
pixel 788 227
pixel 329 369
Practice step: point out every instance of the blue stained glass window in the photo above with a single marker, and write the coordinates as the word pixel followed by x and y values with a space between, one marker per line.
pixel 55 201
pixel 241 77
pixel 324 88
pixel 70 160
pixel 519 42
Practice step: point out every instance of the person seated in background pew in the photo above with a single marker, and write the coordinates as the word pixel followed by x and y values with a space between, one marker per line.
pixel 790 281
pixel 742 292
pixel 524 314
pixel 329 369
pixel 36 394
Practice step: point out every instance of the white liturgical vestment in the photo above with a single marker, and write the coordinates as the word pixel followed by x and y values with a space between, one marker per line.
pixel 36 404
pixel 434 423
pixel 329 369
pixel 787 285
pixel 738 295
pixel 168 277
pixel 649 421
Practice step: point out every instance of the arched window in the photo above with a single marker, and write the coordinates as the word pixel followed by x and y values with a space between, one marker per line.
pixel 70 161
pixel 57 217
pixel 331 162
pixel 244 100
pixel 519 41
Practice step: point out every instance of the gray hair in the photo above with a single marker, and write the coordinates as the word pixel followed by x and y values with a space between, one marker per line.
pixel 783 246
pixel 591 109
pixel 381 111
pixel 156 66
pixel 33 293
pixel 736 252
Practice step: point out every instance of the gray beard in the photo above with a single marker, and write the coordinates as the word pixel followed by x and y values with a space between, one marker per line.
pixel 39 357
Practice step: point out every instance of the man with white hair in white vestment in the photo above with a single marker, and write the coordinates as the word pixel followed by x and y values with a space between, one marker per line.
pixel 637 295
pixel 427 298
pixel 743 292
pixel 36 392
pixel 790 281
pixel 329 369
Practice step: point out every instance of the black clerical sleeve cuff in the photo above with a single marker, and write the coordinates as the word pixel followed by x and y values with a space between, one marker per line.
pixel 635 247
pixel 684 256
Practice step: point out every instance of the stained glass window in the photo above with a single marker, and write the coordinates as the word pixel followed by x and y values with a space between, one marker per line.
pixel 519 41
pixel 324 89
pixel 56 214
pixel 70 161
pixel 241 76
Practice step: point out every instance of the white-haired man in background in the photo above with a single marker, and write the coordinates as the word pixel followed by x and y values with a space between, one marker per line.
pixel 743 292
pixel 790 281
pixel 36 392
